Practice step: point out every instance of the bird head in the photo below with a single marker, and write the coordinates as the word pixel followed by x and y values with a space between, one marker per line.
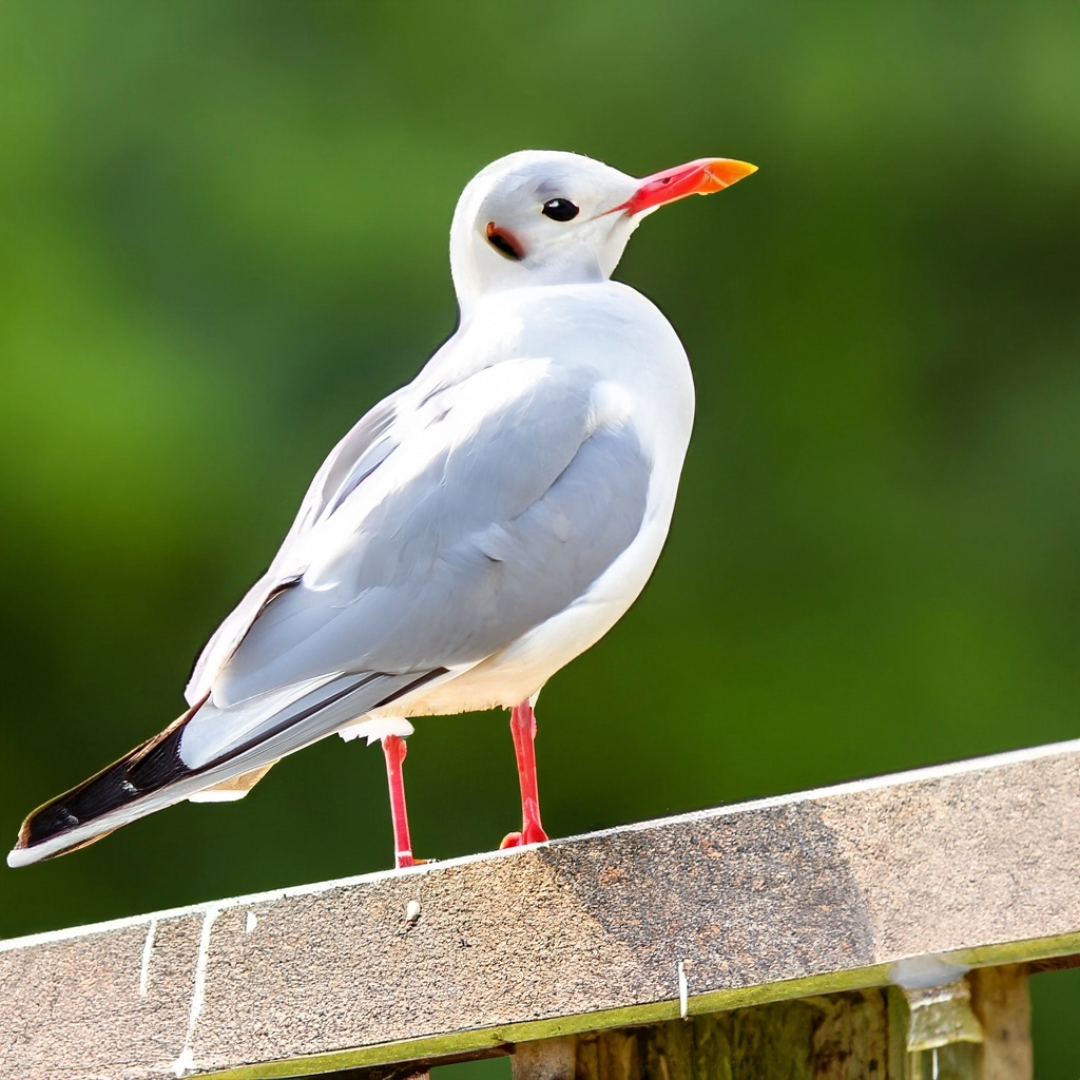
pixel 542 217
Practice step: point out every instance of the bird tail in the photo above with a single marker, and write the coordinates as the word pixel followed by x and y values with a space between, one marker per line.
pixel 165 770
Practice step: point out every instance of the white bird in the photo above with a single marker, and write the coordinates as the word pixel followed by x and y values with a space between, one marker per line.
pixel 473 533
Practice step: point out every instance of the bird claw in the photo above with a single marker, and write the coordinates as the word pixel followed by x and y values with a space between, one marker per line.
pixel 531 834
pixel 402 861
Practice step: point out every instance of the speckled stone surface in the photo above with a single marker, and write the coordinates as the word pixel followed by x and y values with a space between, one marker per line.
pixel 771 900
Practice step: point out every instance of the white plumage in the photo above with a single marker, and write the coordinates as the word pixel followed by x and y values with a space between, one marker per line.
pixel 474 532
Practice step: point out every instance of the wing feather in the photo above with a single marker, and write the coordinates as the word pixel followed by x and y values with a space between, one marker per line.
pixel 480 527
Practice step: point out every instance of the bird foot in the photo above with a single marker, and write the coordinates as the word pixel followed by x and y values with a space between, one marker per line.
pixel 531 834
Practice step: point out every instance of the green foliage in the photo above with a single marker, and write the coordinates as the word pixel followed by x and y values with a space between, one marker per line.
pixel 222 237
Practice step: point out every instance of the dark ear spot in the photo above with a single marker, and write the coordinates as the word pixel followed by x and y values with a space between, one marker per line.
pixel 503 242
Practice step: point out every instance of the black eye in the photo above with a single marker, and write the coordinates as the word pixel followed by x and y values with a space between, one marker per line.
pixel 560 210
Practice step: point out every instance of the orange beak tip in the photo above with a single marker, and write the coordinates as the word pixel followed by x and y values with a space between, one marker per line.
pixel 724 172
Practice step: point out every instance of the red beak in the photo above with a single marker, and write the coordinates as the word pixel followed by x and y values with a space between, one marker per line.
pixel 697 178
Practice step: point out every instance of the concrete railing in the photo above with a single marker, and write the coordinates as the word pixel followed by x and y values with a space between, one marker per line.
pixel 887 925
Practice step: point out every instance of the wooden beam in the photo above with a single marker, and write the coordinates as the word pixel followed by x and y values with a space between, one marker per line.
pixel 834 890
pixel 859 1033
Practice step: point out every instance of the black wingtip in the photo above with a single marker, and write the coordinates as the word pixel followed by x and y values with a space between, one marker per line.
pixel 146 769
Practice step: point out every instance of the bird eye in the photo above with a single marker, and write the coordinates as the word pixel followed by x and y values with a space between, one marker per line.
pixel 560 210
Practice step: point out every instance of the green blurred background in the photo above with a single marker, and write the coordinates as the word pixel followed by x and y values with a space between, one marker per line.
pixel 223 237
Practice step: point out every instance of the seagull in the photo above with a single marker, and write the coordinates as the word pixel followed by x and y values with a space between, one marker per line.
pixel 472 534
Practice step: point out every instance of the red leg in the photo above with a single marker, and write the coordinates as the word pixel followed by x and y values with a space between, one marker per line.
pixel 395 750
pixel 523 728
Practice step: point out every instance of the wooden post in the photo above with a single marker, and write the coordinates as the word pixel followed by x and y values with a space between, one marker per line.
pixel 860 1035
pixel 817 1038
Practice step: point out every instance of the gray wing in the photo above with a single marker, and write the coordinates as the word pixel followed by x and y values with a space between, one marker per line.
pixel 489 516
pixel 363 449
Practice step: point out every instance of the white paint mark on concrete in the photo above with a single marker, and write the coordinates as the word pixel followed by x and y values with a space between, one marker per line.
pixel 147 952
pixel 252 921
pixel 186 1061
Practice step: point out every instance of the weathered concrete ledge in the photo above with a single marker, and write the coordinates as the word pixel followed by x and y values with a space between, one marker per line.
pixel 969 864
